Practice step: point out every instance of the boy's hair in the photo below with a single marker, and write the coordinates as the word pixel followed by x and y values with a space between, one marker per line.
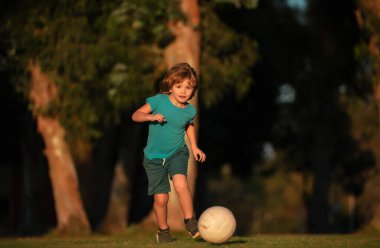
pixel 177 74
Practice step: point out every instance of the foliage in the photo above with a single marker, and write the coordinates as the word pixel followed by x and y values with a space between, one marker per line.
pixel 367 50
pixel 310 53
pixel 365 111
pixel 223 48
pixel 318 123
pixel 106 56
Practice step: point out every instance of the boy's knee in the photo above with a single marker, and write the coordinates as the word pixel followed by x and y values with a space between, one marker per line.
pixel 181 187
pixel 161 199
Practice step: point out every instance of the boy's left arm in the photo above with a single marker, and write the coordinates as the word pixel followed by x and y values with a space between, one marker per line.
pixel 198 153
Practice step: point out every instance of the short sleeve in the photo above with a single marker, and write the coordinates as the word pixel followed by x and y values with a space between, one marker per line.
pixel 153 101
pixel 193 113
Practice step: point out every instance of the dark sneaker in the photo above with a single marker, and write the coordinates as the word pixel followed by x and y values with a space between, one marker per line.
pixel 164 236
pixel 192 228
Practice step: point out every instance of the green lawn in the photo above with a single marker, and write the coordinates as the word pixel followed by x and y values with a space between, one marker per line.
pixel 138 238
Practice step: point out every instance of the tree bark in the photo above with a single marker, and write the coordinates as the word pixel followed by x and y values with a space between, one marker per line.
pixel 185 48
pixel 115 220
pixel 71 217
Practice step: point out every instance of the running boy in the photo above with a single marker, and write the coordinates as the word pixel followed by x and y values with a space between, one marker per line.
pixel 170 116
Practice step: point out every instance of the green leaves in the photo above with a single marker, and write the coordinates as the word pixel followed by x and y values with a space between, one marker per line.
pixel 102 56
pixel 227 58
pixel 106 56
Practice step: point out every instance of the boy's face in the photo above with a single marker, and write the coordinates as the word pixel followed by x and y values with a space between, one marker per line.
pixel 182 92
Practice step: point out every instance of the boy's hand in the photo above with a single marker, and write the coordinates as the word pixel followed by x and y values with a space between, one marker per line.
pixel 199 155
pixel 158 117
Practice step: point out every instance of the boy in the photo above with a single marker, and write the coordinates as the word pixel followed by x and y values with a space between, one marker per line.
pixel 170 116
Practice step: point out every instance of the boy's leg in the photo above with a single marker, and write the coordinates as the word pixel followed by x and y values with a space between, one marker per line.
pixel 184 195
pixel 177 168
pixel 159 187
pixel 160 207
pixel 186 202
pixel 160 210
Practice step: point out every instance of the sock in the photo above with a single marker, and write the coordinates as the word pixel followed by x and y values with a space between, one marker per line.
pixel 164 230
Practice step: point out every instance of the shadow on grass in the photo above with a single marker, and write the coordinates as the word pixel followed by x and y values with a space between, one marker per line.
pixel 229 242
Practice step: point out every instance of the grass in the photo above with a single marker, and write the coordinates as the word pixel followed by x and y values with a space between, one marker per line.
pixel 136 237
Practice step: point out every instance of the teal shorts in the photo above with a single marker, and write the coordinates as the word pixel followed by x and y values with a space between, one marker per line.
pixel 159 170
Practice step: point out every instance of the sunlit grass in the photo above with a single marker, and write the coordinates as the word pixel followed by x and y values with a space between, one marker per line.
pixel 136 237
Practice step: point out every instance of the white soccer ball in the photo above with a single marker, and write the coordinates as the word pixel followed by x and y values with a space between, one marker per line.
pixel 217 224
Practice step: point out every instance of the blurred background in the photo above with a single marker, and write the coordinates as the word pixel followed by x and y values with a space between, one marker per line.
pixel 288 112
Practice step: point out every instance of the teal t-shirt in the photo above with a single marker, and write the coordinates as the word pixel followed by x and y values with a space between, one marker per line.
pixel 165 138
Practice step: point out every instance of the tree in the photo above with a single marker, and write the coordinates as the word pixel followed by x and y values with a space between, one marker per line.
pixel 77 56
pixel 71 216
pixel 323 121
pixel 308 66
pixel 317 127
pixel 97 60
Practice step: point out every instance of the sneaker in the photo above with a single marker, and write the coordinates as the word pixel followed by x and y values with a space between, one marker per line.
pixel 164 236
pixel 192 228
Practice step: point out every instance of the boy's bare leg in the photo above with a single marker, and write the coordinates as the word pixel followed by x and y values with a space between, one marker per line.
pixel 160 207
pixel 184 195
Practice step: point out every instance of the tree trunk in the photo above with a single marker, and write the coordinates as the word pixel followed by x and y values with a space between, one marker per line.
pixel 185 48
pixel 71 217
pixel 115 220
pixel 374 181
pixel 319 202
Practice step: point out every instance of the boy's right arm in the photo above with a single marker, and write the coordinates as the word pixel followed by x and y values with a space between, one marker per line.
pixel 144 114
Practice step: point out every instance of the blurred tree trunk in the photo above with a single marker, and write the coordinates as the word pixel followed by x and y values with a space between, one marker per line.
pixel 368 15
pixel 70 213
pixel 185 48
pixel 319 200
pixel 116 157
pixel 116 217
